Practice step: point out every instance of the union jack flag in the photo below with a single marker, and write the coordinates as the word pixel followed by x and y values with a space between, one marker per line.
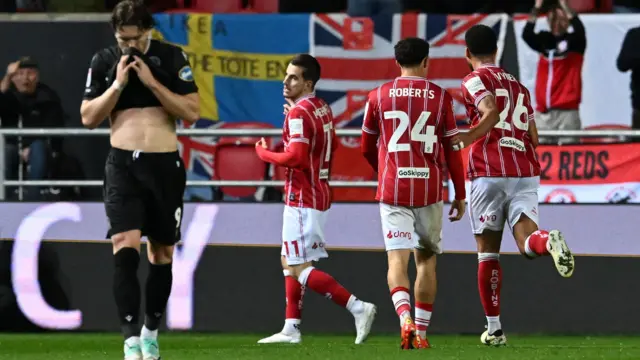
pixel 357 55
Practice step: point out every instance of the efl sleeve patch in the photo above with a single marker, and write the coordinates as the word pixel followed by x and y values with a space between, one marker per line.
pixel 474 85
pixel 295 127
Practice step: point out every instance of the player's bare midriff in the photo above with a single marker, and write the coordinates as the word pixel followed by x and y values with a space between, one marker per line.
pixel 149 129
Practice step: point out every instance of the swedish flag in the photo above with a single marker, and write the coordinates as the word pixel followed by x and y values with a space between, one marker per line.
pixel 238 61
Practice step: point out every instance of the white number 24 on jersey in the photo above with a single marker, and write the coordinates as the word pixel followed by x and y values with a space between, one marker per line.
pixel 429 137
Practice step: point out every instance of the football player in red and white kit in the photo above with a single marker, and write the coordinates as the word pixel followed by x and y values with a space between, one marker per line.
pixel 412 120
pixel 504 173
pixel 309 139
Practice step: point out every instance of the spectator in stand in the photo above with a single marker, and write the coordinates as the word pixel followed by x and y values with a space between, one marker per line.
pixel 629 59
pixel 26 102
pixel 559 77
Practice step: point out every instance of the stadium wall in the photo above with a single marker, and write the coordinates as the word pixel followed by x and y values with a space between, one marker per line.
pixel 227 276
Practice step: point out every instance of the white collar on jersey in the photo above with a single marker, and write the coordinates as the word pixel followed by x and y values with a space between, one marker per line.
pixel 313 94
pixel 488 65
pixel 412 77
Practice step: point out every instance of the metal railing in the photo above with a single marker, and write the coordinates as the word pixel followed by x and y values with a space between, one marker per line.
pixel 235 132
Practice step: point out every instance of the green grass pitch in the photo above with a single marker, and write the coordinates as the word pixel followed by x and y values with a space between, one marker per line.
pixel 226 346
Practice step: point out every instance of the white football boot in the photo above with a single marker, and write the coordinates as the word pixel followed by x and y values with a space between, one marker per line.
pixel 364 320
pixel 132 349
pixel 562 257
pixel 496 339
pixel 150 349
pixel 283 338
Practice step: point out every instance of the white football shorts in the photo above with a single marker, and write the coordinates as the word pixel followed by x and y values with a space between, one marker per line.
pixel 303 235
pixel 406 228
pixel 496 200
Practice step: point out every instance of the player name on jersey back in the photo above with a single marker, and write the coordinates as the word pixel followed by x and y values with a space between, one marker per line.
pixel 405 92
pixel 411 116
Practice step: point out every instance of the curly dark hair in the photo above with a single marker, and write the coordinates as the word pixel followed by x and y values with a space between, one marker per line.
pixel 131 13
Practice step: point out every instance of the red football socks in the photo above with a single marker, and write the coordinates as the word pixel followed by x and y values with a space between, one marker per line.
pixel 489 282
pixel 326 285
pixel 294 294
pixel 536 243
pixel 402 302
pixel 423 317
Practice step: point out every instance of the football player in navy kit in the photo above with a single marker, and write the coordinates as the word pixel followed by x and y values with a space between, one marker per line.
pixel 142 86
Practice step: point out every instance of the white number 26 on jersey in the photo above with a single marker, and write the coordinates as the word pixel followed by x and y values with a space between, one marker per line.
pixel 518 110
pixel 429 137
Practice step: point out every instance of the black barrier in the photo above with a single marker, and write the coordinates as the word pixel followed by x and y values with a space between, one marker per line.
pixel 240 289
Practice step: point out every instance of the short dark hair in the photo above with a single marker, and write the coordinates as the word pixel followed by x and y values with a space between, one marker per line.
pixel 131 13
pixel 411 51
pixel 310 67
pixel 481 40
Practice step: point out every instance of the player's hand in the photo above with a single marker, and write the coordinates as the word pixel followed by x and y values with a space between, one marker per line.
pixel 12 68
pixel 461 141
pixel 122 71
pixel 538 4
pixel 261 143
pixel 288 106
pixel 457 210
pixel 144 73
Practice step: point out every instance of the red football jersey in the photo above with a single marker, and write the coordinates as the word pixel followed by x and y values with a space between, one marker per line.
pixel 411 115
pixel 506 151
pixel 310 121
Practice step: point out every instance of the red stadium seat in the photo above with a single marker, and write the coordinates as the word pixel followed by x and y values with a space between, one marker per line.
pixel 348 164
pixel 217 6
pixel 583 6
pixel 235 159
pixel 264 6
pixel 604 140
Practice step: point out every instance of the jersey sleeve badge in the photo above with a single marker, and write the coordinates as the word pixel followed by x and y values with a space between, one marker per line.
pixel 186 74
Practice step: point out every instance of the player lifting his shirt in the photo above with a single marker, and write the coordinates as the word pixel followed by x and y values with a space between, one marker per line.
pixel 309 139
pixel 142 86
pixel 412 120
pixel 504 173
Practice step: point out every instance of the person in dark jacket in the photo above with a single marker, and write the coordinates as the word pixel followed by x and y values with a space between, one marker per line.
pixel 559 76
pixel 28 103
pixel 629 59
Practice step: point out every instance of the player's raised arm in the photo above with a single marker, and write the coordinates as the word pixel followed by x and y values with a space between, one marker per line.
pixel 99 100
pixel 474 88
pixel 490 116
pixel 296 155
pixel 369 141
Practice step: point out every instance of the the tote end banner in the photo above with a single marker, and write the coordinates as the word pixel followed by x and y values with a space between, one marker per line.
pixel 238 61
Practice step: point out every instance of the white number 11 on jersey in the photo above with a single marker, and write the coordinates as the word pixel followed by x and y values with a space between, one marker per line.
pixel 429 137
